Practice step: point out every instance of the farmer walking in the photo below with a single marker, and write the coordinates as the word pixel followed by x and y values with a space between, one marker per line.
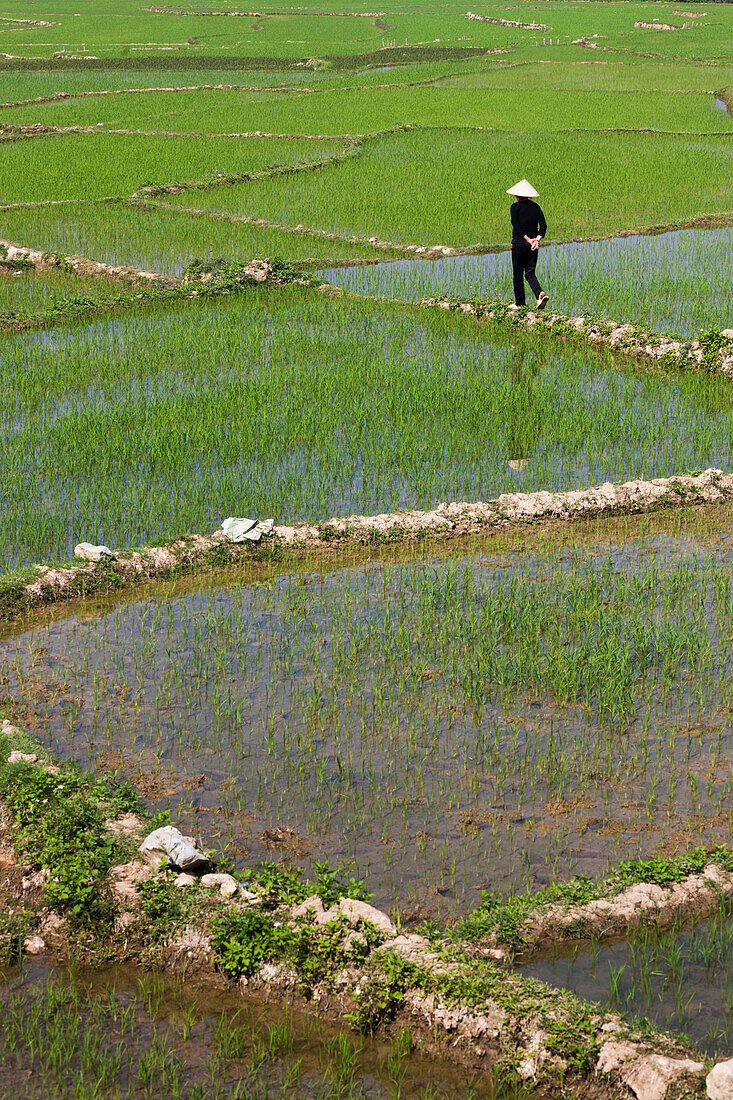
pixel 528 229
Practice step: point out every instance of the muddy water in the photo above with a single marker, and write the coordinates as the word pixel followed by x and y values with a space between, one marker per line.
pixel 681 980
pixel 319 703
pixel 674 282
pixel 91 1033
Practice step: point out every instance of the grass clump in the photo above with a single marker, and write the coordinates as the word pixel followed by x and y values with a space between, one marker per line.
pixel 712 343
pixel 243 941
pixel 60 820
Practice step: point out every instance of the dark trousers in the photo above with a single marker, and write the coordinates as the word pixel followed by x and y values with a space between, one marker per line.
pixel 524 262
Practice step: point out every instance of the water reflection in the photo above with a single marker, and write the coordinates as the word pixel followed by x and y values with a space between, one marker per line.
pixel 524 424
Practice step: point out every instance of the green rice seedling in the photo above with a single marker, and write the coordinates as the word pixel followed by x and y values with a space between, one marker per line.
pixel 677 978
pixel 89 1035
pixel 612 186
pixel 450 725
pixel 54 166
pixel 336 109
pixel 619 279
pixel 162 240
pixel 372 409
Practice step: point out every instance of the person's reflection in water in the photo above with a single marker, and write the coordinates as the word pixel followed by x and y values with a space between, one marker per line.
pixel 524 420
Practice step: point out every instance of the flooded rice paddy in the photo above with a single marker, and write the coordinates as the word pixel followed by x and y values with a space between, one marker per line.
pixel 143 428
pixel 679 979
pixel 675 282
pixel 124 1033
pixel 445 723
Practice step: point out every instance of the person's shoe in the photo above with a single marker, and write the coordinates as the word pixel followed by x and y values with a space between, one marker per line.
pixel 542 300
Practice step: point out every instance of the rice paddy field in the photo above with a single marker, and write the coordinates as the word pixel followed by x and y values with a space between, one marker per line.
pixel 678 281
pixel 492 713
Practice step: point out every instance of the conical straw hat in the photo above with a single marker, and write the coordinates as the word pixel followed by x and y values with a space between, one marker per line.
pixel 523 190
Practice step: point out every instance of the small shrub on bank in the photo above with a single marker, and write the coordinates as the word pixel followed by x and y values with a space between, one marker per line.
pixel 60 817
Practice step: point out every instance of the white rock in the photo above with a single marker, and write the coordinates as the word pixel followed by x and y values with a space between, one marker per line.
pixel 34 945
pixel 18 757
pixel 613 1054
pixel 312 906
pixel 719 1082
pixel 226 884
pixel 354 911
pixel 498 954
pixel 650 1077
pixel 246 530
pixel 168 844
pixel 184 879
pixel 91 552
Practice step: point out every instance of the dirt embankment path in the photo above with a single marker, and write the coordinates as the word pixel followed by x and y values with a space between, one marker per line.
pixel 197 552
pixel 52 261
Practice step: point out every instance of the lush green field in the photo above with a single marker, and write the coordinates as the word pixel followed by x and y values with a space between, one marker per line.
pixel 506 712
pixel 493 720
pixel 161 240
pixel 339 110
pixel 216 410
pixel 56 166
pixel 291 32
pixel 420 186
pixel 28 294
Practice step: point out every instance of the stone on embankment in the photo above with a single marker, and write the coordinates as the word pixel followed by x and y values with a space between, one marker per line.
pixel 355 911
pixel 18 757
pixel 311 907
pixel 34 945
pixel 184 879
pixel 719 1082
pixel 168 845
pixel 89 552
pixel 651 1076
pixel 225 884
pixel 648 1076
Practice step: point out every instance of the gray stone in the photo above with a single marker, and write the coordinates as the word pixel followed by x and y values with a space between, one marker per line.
pixel 719 1082
pixel 18 757
pixel 168 845
pixel 246 530
pixel 90 552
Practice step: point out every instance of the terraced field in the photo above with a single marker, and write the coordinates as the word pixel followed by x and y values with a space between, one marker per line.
pixel 457 718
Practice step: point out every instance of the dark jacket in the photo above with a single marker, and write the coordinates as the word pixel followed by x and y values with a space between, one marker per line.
pixel 527 220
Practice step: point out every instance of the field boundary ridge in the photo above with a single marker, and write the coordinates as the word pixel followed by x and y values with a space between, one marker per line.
pixel 282 939
pixel 37 585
